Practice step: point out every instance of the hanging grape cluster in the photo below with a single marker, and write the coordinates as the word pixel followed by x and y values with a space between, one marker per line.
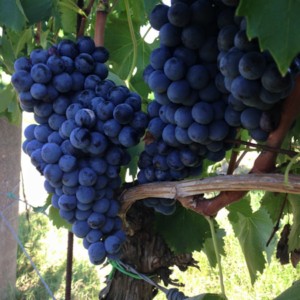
pixel 208 80
pixel 84 125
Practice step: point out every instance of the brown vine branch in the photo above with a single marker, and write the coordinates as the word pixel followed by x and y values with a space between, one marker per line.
pixel 102 11
pixel 186 190
pixel 87 11
pixel 290 153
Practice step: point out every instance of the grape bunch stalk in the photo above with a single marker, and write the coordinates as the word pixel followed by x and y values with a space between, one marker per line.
pixel 208 80
pixel 84 125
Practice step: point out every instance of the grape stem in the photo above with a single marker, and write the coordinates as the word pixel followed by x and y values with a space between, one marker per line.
pixel 210 221
pixel 87 11
pixel 101 16
pixel 134 42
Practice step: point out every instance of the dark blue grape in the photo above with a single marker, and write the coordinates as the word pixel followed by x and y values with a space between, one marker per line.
pixel 218 130
pixel 244 89
pixel 56 64
pixel 40 73
pixel 21 81
pixel 203 113
pixel 80 138
pixel 179 14
pixel 159 16
pixel 198 133
pixel 250 118
pixel 97 253
pixel 159 56
pixel 188 56
pixel 188 37
pixel 112 244
pixel 198 77
pixel 67 48
pixel 252 65
pixel 128 137
pixel 226 37
pixel 273 81
pixel 178 91
pixel 85 194
pixel 175 68
pixel 183 117
pixel 85 45
pixel 80 228
pixel 38 56
pixel 170 35
pixel 158 81
pixel 84 63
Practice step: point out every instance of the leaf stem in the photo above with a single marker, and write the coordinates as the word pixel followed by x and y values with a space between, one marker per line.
pixel 133 39
pixel 210 221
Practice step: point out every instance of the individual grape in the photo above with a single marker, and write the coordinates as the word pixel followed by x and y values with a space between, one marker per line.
pixel 112 244
pixel 38 56
pixel 156 126
pixel 168 135
pixel 229 63
pixel 232 117
pixel 181 135
pixel 87 177
pixel 242 42
pixel 174 68
pixel 159 56
pixel 188 37
pixel 51 153
pixel 55 64
pixel 67 163
pixel 189 158
pixel 96 220
pixel 203 113
pixel 179 14
pixel 128 137
pixel 43 109
pixel 85 45
pixel 94 236
pixel 198 133
pixel 85 194
pixel 84 63
pixel 22 81
pixel 123 113
pixel 53 173
pixel 41 132
pixel 100 54
pixel 80 138
pixel 170 35
pixel 178 91
pixel 252 65
pixel 67 202
pixel 173 160
pixel 273 81
pixel 210 93
pixel 40 73
pixel 85 118
pixel 226 37
pixel 159 16
pixel 244 89
pixel 158 81
pixel 198 77
pixel 38 91
pixel 259 134
pixel 218 130
pixel 250 118
pixel 22 63
pixel 183 117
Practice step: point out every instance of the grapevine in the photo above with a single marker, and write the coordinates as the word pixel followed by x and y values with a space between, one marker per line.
pixel 168 115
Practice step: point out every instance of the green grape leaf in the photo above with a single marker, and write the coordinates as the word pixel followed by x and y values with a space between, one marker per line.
pixel 67 16
pixel 57 220
pixel 184 231
pixel 43 209
pixel 294 236
pixel 13 112
pixel 119 43
pixel 253 231
pixel 37 10
pixel 12 15
pixel 273 202
pixel 208 247
pixel 7 95
pixel 292 293
pixel 276 25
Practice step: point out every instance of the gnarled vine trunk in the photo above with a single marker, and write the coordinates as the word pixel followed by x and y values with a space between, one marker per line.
pixel 148 253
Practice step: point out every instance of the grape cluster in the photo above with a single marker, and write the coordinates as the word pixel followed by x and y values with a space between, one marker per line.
pixel 84 125
pixel 187 121
pixel 251 78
